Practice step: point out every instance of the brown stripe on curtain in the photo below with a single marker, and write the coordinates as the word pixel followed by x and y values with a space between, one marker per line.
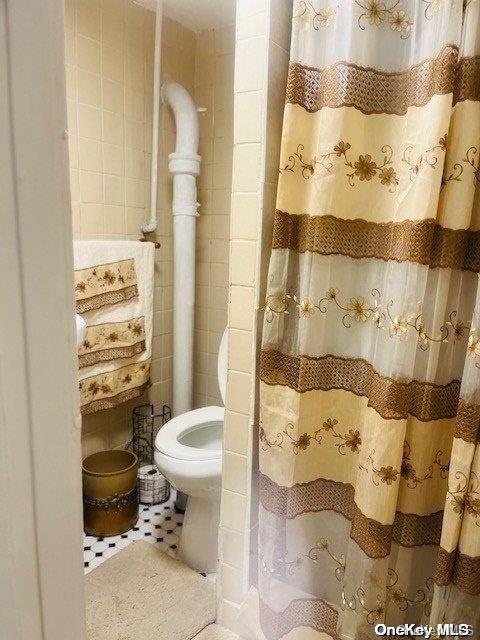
pixel 390 398
pixel 311 613
pixel 467 422
pixel 458 569
pixel 374 538
pixel 422 241
pixel 374 91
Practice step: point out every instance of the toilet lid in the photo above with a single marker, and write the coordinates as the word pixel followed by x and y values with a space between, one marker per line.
pixel 222 364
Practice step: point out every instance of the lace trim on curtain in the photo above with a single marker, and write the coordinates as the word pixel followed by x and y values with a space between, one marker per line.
pixel 458 569
pixel 468 422
pixel 374 538
pixel 421 241
pixel 315 614
pixel 372 91
pixel 390 398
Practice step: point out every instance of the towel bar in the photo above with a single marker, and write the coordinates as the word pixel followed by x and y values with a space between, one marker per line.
pixel 156 243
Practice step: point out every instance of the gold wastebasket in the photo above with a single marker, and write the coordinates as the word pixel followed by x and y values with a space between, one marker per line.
pixel 110 495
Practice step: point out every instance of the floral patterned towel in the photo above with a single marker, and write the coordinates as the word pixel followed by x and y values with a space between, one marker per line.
pixel 114 294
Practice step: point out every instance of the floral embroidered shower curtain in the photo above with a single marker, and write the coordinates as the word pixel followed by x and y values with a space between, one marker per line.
pixel 370 364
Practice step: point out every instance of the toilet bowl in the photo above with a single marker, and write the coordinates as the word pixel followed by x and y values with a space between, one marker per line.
pixel 188 452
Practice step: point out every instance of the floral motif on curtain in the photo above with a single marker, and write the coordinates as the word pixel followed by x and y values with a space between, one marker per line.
pixel 370 364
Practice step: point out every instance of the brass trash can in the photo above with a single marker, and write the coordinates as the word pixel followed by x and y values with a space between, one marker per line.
pixel 110 494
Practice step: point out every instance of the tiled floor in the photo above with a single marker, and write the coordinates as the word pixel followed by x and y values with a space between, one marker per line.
pixel 158 524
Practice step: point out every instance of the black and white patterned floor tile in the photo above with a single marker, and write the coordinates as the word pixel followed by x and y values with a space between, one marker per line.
pixel 158 524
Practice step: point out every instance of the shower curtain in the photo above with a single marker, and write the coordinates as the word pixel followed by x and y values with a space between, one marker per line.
pixel 370 365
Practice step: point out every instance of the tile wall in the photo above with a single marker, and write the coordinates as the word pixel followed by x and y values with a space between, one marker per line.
pixel 261 61
pixel 109 66
pixel 214 92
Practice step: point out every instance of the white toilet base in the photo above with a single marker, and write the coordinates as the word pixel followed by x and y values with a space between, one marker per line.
pixel 198 546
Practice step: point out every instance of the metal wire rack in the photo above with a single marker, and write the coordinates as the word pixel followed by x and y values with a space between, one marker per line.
pixel 147 420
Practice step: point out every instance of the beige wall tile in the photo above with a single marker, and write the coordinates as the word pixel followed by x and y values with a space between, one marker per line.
pixel 241 307
pixel 73 153
pixel 248 119
pixel 89 88
pixel 242 262
pixel 247 8
pixel 113 159
pixel 88 54
pixel 113 128
pixel 90 154
pixel 88 19
pixel 249 64
pixel 224 40
pixel 89 122
pixel 247 169
pixel 245 216
pixel 112 63
pixel 223 151
pixel 91 218
pixel 239 392
pixel 134 193
pixel 91 187
pixel 251 26
pixel 71 81
pixel 219 251
pixel 240 350
pixel 236 432
pixel 232 547
pixel 135 134
pixel 232 513
pixel 74 185
pixel 235 472
pixel 281 23
pixel 113 96
pixel 114 220
pixel 232 583
pixel 113 27
pixel 135 164
pixel 114 189
pixel 220 228
pixel 228 615
pixel 221 199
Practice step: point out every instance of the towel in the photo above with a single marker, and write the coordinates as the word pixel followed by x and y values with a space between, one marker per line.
pixel 114 294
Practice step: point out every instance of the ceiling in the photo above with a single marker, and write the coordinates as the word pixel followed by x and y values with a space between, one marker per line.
pixel 197 14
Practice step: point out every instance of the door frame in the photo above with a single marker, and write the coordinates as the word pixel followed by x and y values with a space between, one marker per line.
pixel 41 564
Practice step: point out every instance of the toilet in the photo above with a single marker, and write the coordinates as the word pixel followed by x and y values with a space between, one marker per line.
pixel 188 452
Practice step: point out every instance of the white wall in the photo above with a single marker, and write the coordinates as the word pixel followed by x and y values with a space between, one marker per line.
pixel 41 568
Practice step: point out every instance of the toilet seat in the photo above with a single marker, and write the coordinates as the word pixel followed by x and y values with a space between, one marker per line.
pixel 177 427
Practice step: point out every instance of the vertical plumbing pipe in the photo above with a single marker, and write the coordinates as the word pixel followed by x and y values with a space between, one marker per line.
pixel 151 225
pixel 184 164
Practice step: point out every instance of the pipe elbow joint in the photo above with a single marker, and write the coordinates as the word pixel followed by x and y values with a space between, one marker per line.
pixel 186 117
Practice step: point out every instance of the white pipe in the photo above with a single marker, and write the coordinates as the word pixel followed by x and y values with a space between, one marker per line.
pixel 184 164
pixel 151 225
